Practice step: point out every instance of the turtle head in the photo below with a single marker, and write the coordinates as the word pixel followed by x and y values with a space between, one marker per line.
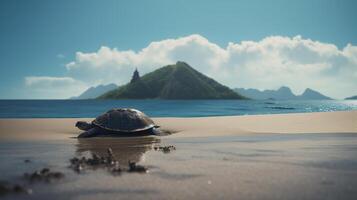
pixel 85 126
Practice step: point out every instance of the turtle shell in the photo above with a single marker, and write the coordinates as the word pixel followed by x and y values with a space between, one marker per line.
pixel 124 120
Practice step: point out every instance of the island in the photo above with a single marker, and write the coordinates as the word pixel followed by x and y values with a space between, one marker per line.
pixel 351 98
pixel 177 81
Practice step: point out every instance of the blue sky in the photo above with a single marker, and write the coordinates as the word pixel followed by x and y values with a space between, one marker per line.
pixel 39 38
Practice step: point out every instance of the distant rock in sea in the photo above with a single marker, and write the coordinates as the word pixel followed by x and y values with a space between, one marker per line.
pixel 178 81
pixel 283 93
pixel 94 92
pixel 351 98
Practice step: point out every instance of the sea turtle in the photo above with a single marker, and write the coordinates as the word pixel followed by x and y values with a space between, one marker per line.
pixel 119 122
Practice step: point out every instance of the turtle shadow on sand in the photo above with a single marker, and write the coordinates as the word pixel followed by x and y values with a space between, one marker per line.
pixel 124 149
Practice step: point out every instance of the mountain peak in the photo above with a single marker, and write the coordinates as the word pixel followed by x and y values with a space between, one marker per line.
pixel 312 95
pixel 180 63
pixel 136 76
pixel 307 90
pixel 284 88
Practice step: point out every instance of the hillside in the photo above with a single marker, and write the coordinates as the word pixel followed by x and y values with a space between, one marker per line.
pixel 178 81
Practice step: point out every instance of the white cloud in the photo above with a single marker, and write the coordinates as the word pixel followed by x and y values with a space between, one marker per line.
pixel 113 65
pixel 266 64
pixel 54 87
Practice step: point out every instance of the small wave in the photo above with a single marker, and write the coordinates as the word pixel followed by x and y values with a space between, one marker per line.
pixel 269 103
pixel 281 108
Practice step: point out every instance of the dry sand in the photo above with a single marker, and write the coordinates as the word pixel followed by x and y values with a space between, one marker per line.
pixel 324 122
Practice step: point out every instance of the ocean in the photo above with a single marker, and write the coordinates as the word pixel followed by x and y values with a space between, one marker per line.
pixel 166 108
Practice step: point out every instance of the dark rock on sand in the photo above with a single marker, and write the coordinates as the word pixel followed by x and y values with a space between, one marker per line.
pixel 165 149
pixel 107 162
pixel 133 167
pixel 96 161
pixel 45 175
pixel 7 188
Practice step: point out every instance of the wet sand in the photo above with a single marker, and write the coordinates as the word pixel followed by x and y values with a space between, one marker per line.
pixel 245 157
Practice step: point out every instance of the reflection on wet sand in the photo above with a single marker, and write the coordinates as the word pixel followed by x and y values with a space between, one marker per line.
pixel 124 149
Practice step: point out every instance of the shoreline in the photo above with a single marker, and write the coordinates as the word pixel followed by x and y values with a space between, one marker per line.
pixel 318 122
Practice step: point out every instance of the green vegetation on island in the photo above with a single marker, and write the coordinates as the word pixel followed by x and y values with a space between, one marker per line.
pixel 178 81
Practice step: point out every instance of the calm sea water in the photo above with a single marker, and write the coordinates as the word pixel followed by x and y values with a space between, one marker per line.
pixel 165 108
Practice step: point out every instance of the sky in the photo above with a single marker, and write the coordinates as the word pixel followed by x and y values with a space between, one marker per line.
pixel 57 49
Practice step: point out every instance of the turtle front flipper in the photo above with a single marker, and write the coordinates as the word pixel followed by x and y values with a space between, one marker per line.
pixel 90 133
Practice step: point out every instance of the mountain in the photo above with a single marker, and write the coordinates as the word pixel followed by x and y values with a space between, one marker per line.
pixel 351 98
pixel 283 93
pixel 310 94
pixel 94 92
pixel 178 81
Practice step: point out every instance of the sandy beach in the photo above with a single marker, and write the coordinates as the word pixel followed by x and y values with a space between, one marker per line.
pixel 324 122
pixel 284 156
